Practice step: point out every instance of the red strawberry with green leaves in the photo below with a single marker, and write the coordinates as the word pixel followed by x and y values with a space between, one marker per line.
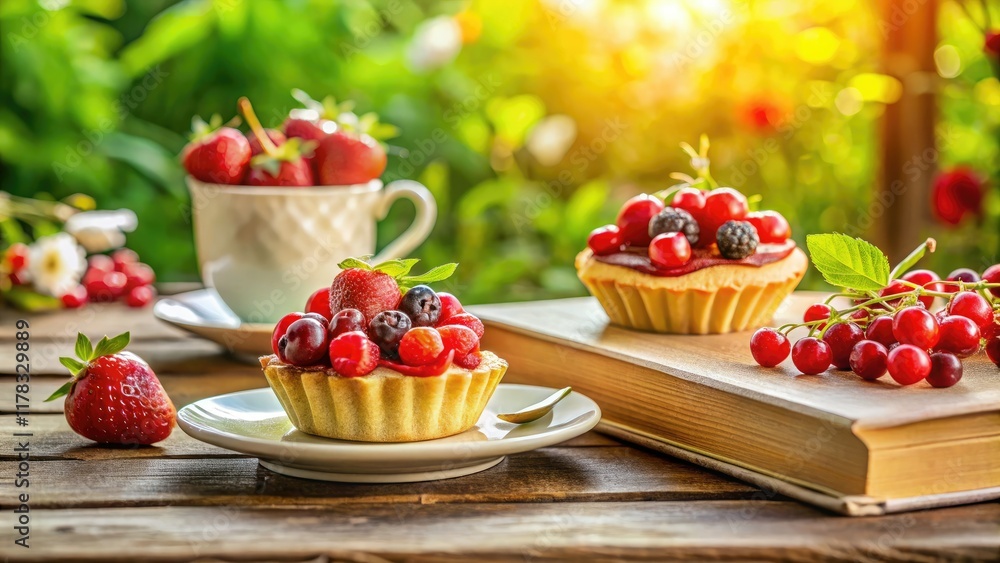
pixel 352 154
pixel 373 289
pixel 278 165
pixel 216 154
pixel 316 119
pixel 114 397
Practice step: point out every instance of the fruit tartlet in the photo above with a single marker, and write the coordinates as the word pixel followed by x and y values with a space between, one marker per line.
pixel 702 264
pixel 381 357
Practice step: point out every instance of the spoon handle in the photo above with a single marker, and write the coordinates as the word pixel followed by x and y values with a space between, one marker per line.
pixel 537 410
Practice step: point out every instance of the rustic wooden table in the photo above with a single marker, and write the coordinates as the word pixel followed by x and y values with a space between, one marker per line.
pixel 591 497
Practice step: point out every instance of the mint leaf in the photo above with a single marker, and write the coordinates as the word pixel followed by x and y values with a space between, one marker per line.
pixel 73 365
pixel 437 274
pixel 397 268
pixel 84 349
pixel 354 263
pixel 108 347
pixel 61 391
pixel 851 263
pixel 927 246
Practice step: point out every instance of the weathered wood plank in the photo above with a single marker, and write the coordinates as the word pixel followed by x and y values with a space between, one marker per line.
pixel 711 530
pixel 550 474
pixel 53 439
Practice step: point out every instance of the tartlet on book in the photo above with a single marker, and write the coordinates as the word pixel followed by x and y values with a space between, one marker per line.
pixel 704 264
pixel 381 357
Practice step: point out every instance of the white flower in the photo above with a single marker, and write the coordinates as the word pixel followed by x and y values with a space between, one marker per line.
pixel 99 231
pixel 56 264
pixel 436 42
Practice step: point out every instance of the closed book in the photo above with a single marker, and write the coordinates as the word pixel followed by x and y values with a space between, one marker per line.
pixel 834 440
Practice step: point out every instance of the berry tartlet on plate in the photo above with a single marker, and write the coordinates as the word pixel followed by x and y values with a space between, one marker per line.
pixel 704 264
pixel 382 357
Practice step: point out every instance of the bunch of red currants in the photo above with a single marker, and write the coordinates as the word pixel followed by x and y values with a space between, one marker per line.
pixel 894 330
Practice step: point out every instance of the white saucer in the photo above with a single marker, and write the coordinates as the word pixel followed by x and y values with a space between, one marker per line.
pixel 202 312
pixel 253 422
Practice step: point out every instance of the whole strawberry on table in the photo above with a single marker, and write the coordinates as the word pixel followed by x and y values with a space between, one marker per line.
pixel 322 144
pixel 114 397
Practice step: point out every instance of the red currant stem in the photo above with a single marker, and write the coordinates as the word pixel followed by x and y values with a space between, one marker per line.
pixel 257 128
pixel 963 286
pixel 836 295
pixel 928 245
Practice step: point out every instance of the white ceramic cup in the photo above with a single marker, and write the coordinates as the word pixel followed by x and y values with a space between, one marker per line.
pixel 265 250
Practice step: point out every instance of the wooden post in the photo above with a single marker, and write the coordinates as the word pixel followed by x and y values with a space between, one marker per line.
pixel 908 151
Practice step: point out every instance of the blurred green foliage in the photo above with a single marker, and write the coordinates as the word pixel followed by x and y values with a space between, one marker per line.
pixel 98 96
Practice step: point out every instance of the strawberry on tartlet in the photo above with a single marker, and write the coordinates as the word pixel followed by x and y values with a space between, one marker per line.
pixel 396 361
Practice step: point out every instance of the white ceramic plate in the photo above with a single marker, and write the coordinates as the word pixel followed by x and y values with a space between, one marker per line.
pixel 253 422
pixel 202 312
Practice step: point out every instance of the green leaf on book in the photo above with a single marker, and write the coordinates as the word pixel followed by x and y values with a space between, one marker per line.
pixel 847 262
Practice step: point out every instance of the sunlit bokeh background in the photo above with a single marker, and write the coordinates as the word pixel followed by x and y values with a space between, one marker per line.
pixel 530 120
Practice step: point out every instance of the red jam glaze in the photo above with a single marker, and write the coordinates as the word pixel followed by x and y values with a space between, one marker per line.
pixel 437 368
pixel 638 259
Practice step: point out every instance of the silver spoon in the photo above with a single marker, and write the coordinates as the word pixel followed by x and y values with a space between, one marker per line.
pixel 537 410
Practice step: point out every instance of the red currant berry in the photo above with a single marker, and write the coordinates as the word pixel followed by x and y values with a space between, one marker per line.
pixel 880 330
pixel 105 286
pixel 450 306
pixel 100 262
pixel 470 321
pixel 458 338
pixel 946 370
pixel 992 330
pixel 817 312
pixel 137 274
pixel 353 355
pixel 280 329
pixel 691 200
pixel 769 347
pixel 420 346
pixel 966 275
pixel 75 298
pixel 841 338
pixel 971 305
pixel 992 275
pixel 811 355
pixel 926 279
pixel 633 219
pixel 993 350
pixel 772 227
pixel 319 302
pixel 347 320
pixel 305 342
pixel 869 360
pixel 122 257
pixel 908 364
pixel 721 205
pixel 914 325
pixel 670 250
pixel 605 240
pixel 17 256
pixel 140 296
pixel 959 335
pixel 894 288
